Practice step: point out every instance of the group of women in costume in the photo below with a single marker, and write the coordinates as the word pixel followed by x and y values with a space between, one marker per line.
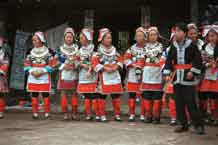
pixel 95 72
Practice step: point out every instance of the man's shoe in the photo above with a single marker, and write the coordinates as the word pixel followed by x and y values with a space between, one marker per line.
pixel 181 128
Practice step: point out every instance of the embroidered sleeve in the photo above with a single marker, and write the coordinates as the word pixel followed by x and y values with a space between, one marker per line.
pixel 4 65
pixel 27 63
pixel 120 61
pixel 127 58
pixel 96 65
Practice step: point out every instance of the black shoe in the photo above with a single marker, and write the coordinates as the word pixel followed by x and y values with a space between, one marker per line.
pixel 97 119
pixel 199 130
pixel 156 121
pixel 173 122
pixel 35 117
pixel 89 118
pixel 117 118
pixel 148 120
pixel 181 128
pixel 132 118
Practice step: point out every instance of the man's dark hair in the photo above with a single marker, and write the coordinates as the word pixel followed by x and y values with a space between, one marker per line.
pixel 182 26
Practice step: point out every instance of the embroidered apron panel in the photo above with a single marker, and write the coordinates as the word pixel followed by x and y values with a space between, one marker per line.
pixel 132 76
pixel 111 78
pixel 68 75
pixel 44 79
pixel 152 75
pixel 83 79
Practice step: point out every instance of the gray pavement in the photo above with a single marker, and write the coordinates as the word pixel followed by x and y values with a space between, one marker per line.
pixel 18 128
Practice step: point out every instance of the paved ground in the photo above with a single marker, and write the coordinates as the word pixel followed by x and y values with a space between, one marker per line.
pixel 20 129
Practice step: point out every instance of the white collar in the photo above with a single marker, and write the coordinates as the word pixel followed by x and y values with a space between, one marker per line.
pixel 39 52
pixel 185 45
pixel 107 51
pixel 69 50
pixel 86 49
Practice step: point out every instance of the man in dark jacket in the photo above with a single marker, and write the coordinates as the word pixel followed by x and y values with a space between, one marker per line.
pixel 184 64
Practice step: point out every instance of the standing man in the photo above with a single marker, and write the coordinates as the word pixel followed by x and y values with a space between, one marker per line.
pixel 184 62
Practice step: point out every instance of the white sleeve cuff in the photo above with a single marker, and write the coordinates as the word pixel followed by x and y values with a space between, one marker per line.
pixel 195 70
pixel 120 64
pixel 166 72
pixel 127 62
pixel 62 66
pixel 98 67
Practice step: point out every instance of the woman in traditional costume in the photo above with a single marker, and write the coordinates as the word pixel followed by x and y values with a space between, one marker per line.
pixel 39 64
pixel 68 73
pixel 107 62
pixel 134 62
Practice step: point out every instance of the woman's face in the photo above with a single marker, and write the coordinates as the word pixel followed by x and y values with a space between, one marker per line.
pixel 83 40
pixel 152 36
pixel 140 37
pixel 193 35
pixel 68 39
pixel 36 42
pixel 107 40
pixel 213 37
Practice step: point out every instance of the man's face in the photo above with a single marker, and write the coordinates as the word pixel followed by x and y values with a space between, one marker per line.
pixel 180 34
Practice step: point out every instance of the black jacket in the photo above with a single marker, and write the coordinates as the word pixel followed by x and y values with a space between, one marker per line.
pixel 192 56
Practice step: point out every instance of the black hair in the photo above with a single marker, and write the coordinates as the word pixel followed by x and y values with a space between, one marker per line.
pixel 182 26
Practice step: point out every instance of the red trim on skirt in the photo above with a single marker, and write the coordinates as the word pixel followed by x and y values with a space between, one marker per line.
pixel 209 86
pixel 110 89
pixel 156 87
pixel 87 88
pixel 132 87
pixel 38 87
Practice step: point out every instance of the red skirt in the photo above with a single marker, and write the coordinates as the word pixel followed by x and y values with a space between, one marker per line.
pixel 150 87
pixel 209 86
pixel 132 87
pixel 87 88
pixel 67 85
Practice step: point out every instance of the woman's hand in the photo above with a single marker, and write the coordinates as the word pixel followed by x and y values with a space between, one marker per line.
pixel 85 66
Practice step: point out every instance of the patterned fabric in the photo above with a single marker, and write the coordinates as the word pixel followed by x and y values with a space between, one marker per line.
pixel 4 64
pixel 152 75
pixel 40 60
pixel 110 83
pixel 68 55
pixel 87 78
